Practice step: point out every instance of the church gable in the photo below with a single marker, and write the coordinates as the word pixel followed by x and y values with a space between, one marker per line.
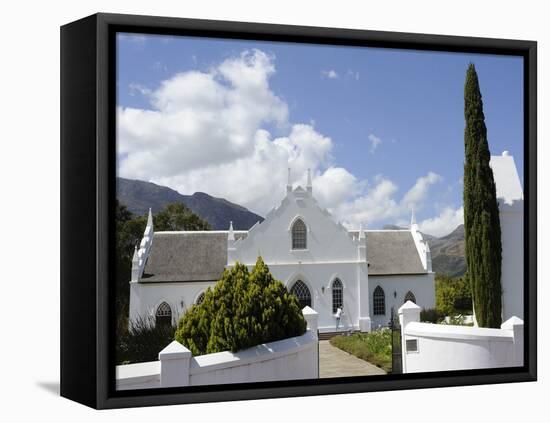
pixel 297 230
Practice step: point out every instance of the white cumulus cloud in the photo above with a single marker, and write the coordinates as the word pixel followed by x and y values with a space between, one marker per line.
pixel 213 131
pixel 200 119
pixel 378 201
pixel 444 223
pixel 420 189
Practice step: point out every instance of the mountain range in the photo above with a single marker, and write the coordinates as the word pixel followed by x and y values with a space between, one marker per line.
pixel 447 252
pixel 138 196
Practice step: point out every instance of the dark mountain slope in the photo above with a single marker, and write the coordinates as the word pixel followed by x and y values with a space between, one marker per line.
pixel 138 196
pixel 448 254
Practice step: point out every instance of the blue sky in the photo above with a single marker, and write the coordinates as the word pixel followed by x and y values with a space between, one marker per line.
pixel 382 129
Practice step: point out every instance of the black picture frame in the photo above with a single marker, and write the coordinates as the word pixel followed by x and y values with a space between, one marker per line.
pixel 88 192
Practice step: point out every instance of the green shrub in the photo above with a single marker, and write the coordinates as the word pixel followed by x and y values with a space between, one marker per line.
pixel 243 309
pixel 431 315
pixel 374 347
pixel 142 342
pixel 453 296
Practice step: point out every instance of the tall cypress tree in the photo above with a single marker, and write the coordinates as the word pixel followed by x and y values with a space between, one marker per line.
pixel 481 215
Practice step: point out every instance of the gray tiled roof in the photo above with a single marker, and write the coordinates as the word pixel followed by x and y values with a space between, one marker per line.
pixel 202 256
pixel 392 253
pixel 186 257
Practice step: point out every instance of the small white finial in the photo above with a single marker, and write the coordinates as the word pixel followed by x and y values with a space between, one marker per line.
pixel 309 186
pixel 231 234
pixel 288 184
pixel 150 218
pixel 413 218
pixel 505 153
pixel 135 258
pixel 361 231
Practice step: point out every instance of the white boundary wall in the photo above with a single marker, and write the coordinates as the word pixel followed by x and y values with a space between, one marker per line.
pixel 446 347
pixel 287 359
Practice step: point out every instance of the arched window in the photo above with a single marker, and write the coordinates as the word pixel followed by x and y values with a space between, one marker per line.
pixel 200 298
pixel 163 316
pixel 409 296
pixel 299 235
pixel 379 301
pixel 301 291
pixel 337 295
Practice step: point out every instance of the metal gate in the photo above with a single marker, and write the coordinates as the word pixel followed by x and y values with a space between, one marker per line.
pixel 396 351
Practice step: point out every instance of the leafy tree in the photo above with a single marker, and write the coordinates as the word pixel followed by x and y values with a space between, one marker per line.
pixel 242 310
pixel 481 216
pixel 452 295
pixel 178 217
pixel 130 228
pixel 128 233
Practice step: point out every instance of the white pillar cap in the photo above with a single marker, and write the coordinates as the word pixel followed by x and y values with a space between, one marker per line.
pixel 174 351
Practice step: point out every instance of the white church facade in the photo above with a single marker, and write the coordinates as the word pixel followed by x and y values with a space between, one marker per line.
pixel 368 274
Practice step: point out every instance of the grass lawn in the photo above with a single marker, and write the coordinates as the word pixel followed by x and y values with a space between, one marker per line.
pixel 374 347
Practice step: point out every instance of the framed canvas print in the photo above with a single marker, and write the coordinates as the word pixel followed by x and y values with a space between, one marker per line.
pixel 258 211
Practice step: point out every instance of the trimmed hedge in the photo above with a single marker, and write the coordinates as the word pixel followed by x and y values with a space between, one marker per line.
pixel 243 309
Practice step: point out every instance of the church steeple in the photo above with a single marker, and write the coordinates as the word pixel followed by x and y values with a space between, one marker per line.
pixel 309 186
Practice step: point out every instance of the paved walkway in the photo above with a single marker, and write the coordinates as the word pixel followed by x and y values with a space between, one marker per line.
pixel 333 362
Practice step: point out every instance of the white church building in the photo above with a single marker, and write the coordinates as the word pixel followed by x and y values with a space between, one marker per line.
pixel 368 274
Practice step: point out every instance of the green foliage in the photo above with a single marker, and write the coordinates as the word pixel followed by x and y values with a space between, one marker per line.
pixel 243 309
pixel 481 216
pixel 128 233
pixel 453 295
pixel 431 315
pixel 142 342
pixel 178 217
pixel 374 347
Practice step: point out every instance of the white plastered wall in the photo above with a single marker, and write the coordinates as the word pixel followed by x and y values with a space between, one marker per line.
pixel 146 297
pixel 395 288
